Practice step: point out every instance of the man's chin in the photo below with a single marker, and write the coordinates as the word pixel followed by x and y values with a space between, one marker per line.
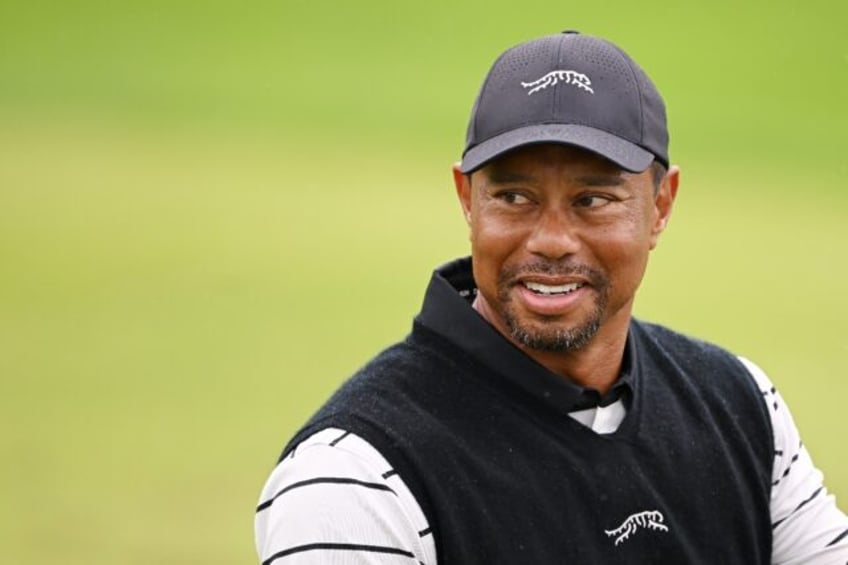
pixel 561 339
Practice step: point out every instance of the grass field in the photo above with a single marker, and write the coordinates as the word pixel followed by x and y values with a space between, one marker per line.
pixel 211 213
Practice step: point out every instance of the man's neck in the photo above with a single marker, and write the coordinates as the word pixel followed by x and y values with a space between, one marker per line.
pixel 597 365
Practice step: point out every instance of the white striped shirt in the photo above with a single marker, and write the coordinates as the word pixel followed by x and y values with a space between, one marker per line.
pixel 336 500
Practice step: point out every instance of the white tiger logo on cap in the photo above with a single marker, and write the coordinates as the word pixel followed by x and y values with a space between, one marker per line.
pixel 554 77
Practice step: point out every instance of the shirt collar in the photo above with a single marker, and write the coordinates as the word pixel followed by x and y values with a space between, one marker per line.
pixel 447 311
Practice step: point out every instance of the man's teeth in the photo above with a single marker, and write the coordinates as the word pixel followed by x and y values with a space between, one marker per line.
pixel 552 289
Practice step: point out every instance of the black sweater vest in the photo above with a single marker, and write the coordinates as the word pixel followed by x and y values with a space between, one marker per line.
pixel 505 479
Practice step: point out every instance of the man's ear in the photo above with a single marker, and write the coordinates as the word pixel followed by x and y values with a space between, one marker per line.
pixel 462 182
pixel 664 202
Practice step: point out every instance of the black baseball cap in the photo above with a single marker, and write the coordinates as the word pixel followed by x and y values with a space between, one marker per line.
pixel 573 89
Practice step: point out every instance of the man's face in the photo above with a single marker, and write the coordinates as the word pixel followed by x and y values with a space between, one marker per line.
pixel 560 239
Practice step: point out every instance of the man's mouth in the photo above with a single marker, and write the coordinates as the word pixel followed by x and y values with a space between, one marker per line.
pixel 548 289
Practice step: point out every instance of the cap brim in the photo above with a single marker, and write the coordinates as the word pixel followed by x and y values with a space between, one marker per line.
pixel 625 154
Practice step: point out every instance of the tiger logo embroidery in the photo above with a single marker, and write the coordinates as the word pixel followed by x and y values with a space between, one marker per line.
pixel 555 77
pixel 650 519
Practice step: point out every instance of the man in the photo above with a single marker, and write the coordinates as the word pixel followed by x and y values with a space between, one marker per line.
pixel 528 418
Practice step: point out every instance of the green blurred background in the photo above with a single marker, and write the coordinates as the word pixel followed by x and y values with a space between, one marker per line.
pixel 212 212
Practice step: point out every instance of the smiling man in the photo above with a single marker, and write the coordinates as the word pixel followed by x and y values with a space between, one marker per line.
pixel 528 418
pixel 560 239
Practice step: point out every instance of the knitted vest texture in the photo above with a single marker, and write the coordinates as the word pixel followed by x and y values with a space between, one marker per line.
pixel 505 479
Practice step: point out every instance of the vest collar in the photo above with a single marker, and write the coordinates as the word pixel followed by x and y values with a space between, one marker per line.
pixel 447 311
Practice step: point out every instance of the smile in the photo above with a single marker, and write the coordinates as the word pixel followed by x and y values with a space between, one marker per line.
pixel 547 289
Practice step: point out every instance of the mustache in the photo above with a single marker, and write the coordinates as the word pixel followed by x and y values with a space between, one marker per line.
pixel 556 268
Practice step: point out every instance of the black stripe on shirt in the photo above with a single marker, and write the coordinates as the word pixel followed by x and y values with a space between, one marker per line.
pixel 323 480
pixel 389 473
pixel 797 508
pixel 772 392
pixel 789 465
pixel 339 547
pixel 336 441
pixel 838 538
pixel 425 532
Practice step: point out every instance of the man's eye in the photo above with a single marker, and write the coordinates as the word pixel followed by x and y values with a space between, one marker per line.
pixel 513 197
pixel 592 201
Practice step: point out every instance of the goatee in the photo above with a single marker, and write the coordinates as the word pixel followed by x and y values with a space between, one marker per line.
pixel 551 337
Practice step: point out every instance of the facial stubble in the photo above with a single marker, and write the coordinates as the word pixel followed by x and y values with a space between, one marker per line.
pixel 547 334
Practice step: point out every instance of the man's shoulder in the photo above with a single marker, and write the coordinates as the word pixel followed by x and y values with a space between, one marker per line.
pixel 666 338
pixel 418 353
pixel 701 360
pixel 677 365
pixel 384 389
pixel 704 364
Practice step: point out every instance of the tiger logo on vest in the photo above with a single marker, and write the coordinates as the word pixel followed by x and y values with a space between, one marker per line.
pixel 649 519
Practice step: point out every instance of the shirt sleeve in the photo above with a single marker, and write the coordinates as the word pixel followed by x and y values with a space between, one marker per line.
pixel 808 528
pixel 336 500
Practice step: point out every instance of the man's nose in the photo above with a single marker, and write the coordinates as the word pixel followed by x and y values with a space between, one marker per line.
pixel 554 236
